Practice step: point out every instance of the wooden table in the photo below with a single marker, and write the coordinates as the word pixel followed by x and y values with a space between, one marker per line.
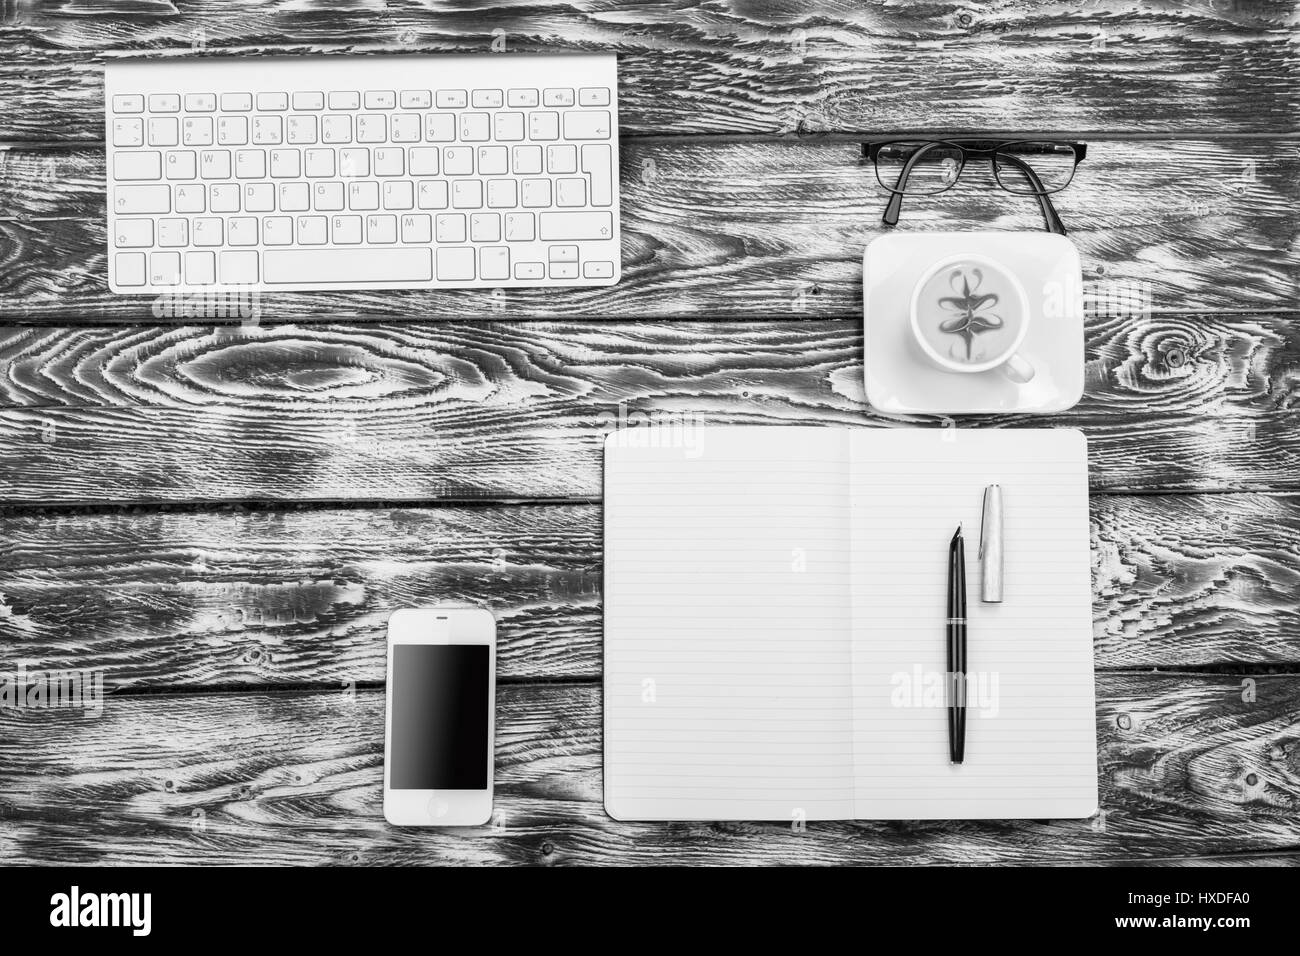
pixel 222 515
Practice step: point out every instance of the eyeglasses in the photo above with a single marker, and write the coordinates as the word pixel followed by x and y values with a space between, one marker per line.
pixel 926 167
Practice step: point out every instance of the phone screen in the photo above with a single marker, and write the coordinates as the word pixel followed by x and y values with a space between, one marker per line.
pixel 439 717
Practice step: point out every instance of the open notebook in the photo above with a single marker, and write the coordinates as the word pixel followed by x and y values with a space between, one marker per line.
pixel 774 625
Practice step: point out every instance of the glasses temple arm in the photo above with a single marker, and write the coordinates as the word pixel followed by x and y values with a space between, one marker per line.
pixel 895 206
pixel 1054 223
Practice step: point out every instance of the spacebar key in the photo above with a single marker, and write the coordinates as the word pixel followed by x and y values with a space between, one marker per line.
pixel 346 265
pixel 575 225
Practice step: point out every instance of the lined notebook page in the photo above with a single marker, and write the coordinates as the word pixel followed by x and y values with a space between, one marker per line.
pixel 728 685
pixel 1031 747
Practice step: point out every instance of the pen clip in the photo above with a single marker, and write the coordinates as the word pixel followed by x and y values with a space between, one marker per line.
pixel 984 522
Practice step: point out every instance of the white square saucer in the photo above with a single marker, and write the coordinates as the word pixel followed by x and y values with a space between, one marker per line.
pixel 900 379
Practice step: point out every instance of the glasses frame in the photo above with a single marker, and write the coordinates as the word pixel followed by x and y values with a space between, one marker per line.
pixel 996 151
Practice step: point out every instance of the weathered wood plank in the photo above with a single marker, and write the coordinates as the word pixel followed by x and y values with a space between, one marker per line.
pixel 739 67
pixel 256 598
pixel 725 229
pixel 1186 767
pixel 431 410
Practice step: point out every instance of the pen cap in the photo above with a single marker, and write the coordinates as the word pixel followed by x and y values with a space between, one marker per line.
pixel 991 546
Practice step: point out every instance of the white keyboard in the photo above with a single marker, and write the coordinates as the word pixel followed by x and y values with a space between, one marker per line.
pixel 315 173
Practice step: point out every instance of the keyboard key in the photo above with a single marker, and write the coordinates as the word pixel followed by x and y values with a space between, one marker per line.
pixel 487 99
pixel 557 97
pixel 467 194
pixel 346 230
pixel 333 266
pixel 328 197
pixel 416 99
pixel 137 165
pixel 224 197
pixel 200 268
pixel 508 127
pixel 456 264
pixel 597 163
pixel 372 128
pixel 237 268
pixel 593 96
pixel 209 231
pixel 336 128
pixel 432 194
pixel 381 229
pixel 277 231
pixel 232 130
pixel 259 197
pixel 129 268
pixel 593 124
pixel 452 100
pixel 363 196
pixel 390 161
pixel 522 99
pixel 134 233
pixel 474 127
pixel 381 99
pixel 417 228
pixel 562 253
pixel 180 164
pixel 345 100
pixel 250 164
pixel 399 195
pixel 294 197
pixel 494 262
pixel 502 194
pixel 562 159
pixel 286 163
pixel 520 227
pixel 236 102
pixel 268 130
pixel 404 128
pixel 128 103
pixel 493 160
pixel 242 231
pixel 191 198
pixel 457 160
pixel 269 102
pixel 575 225
pixel 598 270
pixel 450 227
pixel 197 131
pixel 424 160
pixel 439 128
pixel 309 100
pixel 165 268
pixel 200 103
pixel 570 192
pixel 128 132
pixel 214 164
pixel 485 227
pixel 527 160
pixel 536 193
pixel 301 129
pixel 564 270
pixel 143 200
pixel 319 163
pixel 164 131
pixel 313 230
pixel 530 270
pixel 164 103
pixel 544 126
pixel 354 163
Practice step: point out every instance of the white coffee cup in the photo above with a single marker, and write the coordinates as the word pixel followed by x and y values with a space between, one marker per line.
pixel 970 314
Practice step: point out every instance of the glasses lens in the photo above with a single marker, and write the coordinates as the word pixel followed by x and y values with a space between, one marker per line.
pixel 917 168
pixel 1034 167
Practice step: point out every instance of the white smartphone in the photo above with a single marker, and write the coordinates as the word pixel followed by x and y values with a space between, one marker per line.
pixel 439 717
